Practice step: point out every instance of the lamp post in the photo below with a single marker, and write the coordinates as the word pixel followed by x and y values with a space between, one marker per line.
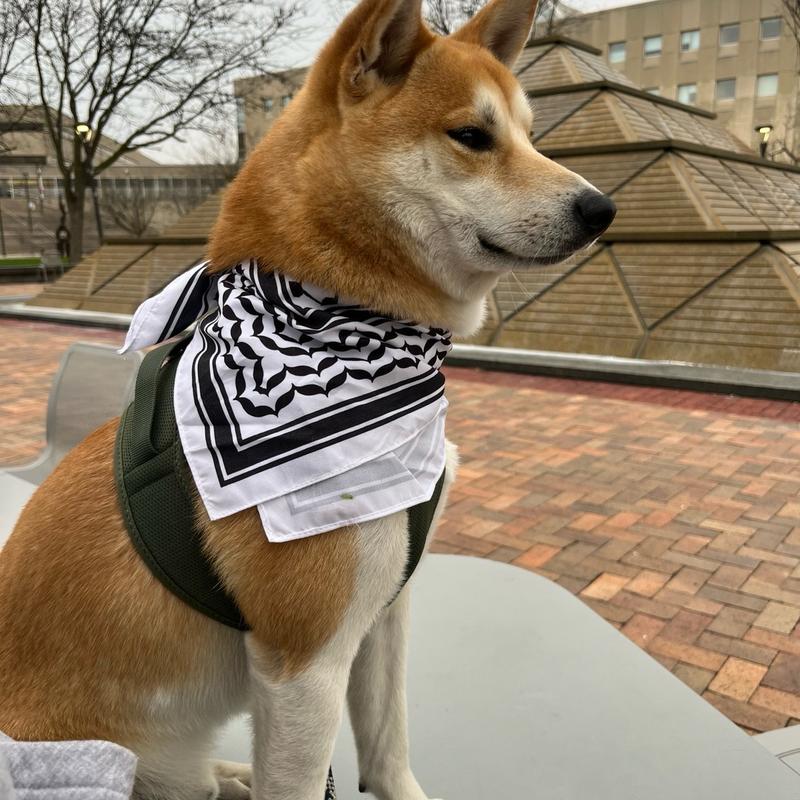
pixel 764 131
pixel 85 134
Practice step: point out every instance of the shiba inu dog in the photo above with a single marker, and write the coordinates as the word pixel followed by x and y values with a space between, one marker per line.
pixel 403 176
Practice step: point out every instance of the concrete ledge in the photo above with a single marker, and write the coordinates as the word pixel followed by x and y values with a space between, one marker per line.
pixel 69 316
pixel 16 298
pixel 672 374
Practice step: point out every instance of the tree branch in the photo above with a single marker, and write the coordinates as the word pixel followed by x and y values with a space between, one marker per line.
pixel 139 72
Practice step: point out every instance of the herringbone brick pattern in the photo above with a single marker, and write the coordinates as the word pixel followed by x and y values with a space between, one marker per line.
pixel 675 515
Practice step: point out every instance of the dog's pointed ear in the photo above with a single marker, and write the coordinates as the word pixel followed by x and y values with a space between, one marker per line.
pixel 503 27
pixel 390 37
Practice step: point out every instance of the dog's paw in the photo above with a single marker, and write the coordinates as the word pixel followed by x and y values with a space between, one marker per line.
pixel 232 789
pixel 233 770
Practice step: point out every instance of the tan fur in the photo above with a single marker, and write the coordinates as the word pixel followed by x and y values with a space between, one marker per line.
pixel 294 592
pixel 78 609
pixel 91 644
pixel 86 630
pixel 317 218
pixel 497 27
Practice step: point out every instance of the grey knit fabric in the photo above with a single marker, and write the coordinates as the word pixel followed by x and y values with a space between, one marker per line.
pixel 65 770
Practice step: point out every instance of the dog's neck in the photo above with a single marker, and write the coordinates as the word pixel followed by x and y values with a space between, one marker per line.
pixel 329 235
pixel 378 275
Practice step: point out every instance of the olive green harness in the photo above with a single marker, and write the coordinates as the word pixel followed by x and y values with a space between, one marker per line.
pixel 156 495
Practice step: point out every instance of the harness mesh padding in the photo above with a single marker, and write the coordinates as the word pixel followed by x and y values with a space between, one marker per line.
pixel 156 495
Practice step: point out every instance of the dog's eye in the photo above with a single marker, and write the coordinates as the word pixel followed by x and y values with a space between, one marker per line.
pixel 474 138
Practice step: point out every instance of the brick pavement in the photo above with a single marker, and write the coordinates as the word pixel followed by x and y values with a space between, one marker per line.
pixel 20 289
pixel 29 356
pixel 674 514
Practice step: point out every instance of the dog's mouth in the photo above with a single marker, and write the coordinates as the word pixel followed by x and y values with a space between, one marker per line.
pixel 494 249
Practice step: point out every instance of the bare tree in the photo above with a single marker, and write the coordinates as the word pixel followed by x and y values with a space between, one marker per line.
pixel 552 17
pixel 445 16
pixel 791 13
pixel 218 154
pixel 10 24
pixel 142 71
pixel 132 208
pixel 13 95
pixel 217 151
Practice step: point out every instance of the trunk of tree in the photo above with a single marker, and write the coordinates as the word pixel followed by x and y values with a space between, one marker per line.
pixel 76 206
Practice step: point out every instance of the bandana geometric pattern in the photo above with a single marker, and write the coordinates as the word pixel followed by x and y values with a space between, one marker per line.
pixel 315 410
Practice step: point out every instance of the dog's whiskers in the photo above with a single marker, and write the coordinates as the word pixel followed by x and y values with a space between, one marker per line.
pixel 527 293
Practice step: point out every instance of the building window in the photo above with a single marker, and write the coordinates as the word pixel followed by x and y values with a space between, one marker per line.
pixel 687 93
pixel 770 29
pixel 726 89
pixel 654 90
pixel 268 104
pixel 729 34
pixel 616 52
pixel 285 100
pixel 767 85
pixel 652 46
pixel 690 41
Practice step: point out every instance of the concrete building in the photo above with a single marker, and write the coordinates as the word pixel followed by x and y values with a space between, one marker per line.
pixel 737 58
pixel 702 263
pixel 259 101
pixel 132 191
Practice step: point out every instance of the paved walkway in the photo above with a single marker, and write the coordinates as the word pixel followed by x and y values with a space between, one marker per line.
pixel 673 514
pixel 20 289
pixel 29 356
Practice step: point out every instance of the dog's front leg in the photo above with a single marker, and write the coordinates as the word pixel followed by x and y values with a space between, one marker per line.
pixel 296 719
pixel 377 701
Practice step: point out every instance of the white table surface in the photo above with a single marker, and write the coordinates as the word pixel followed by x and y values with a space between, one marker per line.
pixel 518 690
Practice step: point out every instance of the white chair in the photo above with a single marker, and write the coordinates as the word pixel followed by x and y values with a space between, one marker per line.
pixel 92 385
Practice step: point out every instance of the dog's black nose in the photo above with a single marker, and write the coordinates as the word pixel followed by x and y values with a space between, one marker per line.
pixel 595 211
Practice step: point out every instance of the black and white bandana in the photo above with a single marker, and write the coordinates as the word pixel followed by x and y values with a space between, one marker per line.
pixel 316 411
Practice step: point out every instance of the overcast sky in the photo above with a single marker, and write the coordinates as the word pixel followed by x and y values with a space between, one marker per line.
pixel 324 21
pixel 318 25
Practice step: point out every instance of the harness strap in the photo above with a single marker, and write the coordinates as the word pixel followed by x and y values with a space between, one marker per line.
pixel 146 394
pixel 156 495
pixel 420 519
pixel 155 492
